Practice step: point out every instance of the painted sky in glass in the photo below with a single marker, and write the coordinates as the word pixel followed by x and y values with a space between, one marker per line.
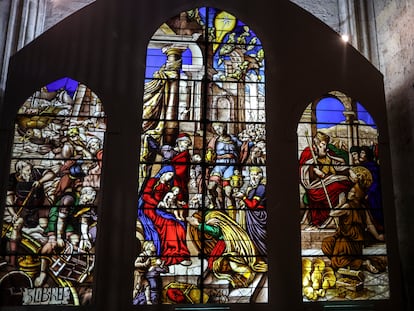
pixel 202 216
pixel 49 224
pixel 344 253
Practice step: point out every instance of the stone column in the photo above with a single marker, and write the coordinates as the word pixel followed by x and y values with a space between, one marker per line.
pixel 347 25
pixel 21 22
pixel 349 120
pixel 173 64
pixel 367 34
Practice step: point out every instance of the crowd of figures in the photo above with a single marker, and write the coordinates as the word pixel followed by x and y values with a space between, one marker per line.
pixel 215 201
pixel 196 201
pixel 50 214
pixel 324 173
pixel 342 191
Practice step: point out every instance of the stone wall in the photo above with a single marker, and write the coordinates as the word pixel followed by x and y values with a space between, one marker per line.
pixel 57 10
pixel 21 22
pixel 326 10
pixel 395 20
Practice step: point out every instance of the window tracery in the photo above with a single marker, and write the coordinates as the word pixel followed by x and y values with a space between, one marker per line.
pixel 51 213
pixel 202 197
pixel 344 253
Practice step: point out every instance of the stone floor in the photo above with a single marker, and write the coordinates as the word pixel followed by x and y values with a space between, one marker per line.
pixel 218 291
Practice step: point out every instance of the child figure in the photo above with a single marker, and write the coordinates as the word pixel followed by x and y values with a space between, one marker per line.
pixel 148 267
pixel 171 204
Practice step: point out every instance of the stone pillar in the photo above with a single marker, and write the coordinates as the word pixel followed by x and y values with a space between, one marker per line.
pixel 367 30
pixel 173 63
pixel 347 25
pixel 357 19
pixel 349 120
pixel 21 21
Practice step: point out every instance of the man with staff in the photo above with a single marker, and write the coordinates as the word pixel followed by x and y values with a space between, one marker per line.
pixel 25 199
pixel 323 174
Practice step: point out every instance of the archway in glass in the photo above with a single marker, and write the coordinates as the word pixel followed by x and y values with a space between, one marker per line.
pixel 344 253
pixel 49 224
pixel 201 220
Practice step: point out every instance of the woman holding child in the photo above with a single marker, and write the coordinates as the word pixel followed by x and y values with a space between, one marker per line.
pixel 163 228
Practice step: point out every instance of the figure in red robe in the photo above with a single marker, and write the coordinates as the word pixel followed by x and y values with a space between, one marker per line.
pixel 319 175
pixel 167 232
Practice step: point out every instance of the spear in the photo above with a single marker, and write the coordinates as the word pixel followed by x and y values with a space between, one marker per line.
pixel 322 181
pixel 26 199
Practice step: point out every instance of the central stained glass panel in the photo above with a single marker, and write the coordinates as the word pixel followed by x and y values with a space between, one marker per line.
pixel 201 214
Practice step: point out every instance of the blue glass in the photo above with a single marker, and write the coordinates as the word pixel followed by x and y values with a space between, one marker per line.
pixel 329 112
pixel 67 84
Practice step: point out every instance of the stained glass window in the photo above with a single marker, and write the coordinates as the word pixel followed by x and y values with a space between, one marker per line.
pixel 49 224
pixel 202 216
pixel 344 253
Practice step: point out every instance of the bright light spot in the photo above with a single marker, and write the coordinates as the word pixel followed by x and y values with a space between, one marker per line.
pixel 345 38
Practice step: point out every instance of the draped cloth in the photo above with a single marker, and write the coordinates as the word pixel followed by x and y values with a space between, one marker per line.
pixel 157 94
pixel 318 203
pixel 233 254
pixel 156 98
pixel 346 246
pixel 159 226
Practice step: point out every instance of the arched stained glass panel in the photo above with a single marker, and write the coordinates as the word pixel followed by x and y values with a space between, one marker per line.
pixel 202 212
pixel 344 253
pixel 49 224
